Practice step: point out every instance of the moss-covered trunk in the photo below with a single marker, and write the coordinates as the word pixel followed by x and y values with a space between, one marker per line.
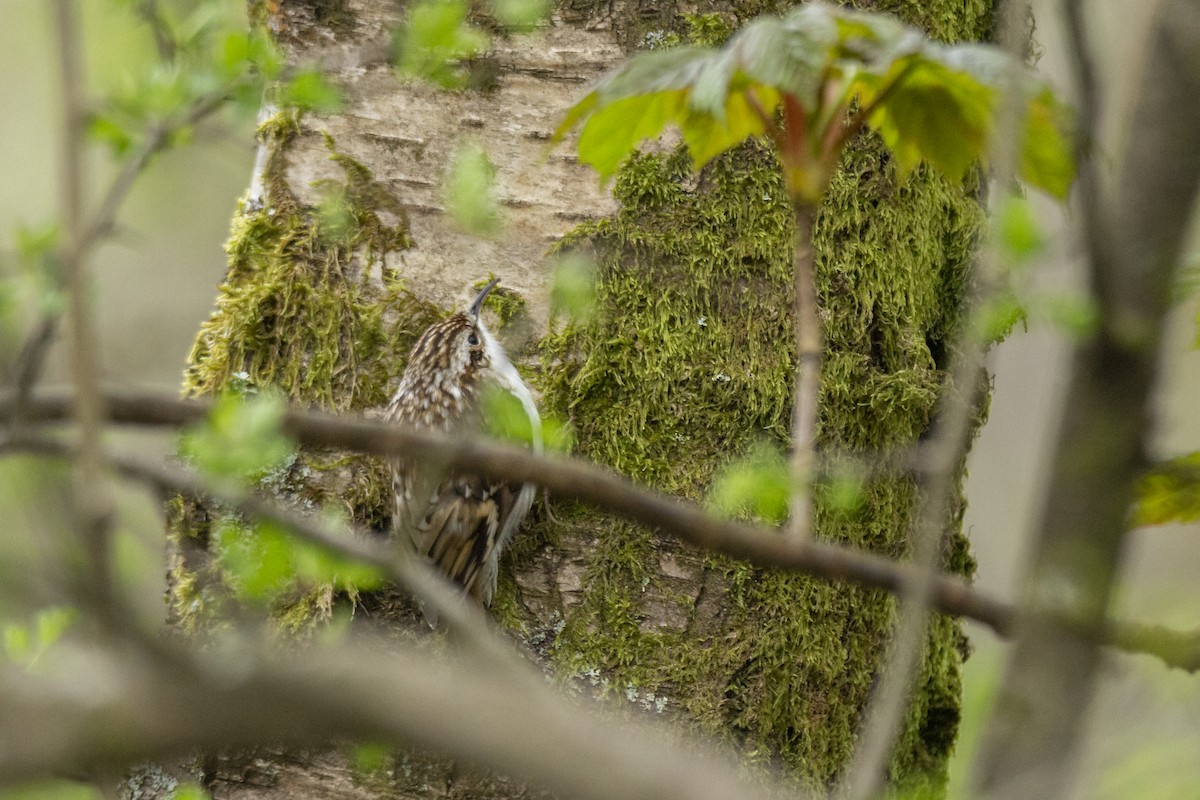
pixel 686 363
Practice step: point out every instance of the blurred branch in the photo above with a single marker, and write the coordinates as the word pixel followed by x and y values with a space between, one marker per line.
pixel 93 502
pixel 942 459
pixel 33 351
pixel 688 522
pixel 171 702
pixel 1134 236
pixel 866 771
pixel 463 620
pixel 152 15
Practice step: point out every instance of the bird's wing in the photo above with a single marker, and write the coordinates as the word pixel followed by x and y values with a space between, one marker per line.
pixel 461 529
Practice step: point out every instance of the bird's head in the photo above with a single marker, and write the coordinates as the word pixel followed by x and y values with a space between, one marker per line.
pixel 451 361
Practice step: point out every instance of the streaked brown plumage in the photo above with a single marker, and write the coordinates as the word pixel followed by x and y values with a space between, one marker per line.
pixel 460 522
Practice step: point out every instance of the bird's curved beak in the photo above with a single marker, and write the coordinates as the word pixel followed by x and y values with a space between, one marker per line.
pixel 477 304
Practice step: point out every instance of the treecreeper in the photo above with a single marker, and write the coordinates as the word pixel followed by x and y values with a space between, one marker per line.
pixel 460 522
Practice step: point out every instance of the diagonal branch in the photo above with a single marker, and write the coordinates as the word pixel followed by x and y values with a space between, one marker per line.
pixel 102 710
pixel 688 522
pixel 31 358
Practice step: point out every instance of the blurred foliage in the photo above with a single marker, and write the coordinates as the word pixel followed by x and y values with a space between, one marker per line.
pixel 439 38
pixel 207 57
pixel 435 40
pixel 1021 243
pixel 1170 492
pixel 573 287
pixel 241 437
pixel 26 644
pixel 265 564
pixel 758 484
pixel 469 190
pixel 520 15
pixel 507 421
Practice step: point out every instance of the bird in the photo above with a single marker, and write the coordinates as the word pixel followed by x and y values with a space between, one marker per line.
pixel 458 521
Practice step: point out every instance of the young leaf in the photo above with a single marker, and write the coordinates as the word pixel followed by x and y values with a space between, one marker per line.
pixel 1017 230
pixel 1170 493
pixel 241 438
pixel 435 39
pixel 520 15
pixel 468 190
pixel 573 289
pixel 309 91
pixel 759 484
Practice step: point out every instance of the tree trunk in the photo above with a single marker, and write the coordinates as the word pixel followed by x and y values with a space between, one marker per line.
pixel 686 362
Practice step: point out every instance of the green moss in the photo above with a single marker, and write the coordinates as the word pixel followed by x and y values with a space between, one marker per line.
pixel 962 20
pixel 298 311
pixel 688 361
pixel 708 30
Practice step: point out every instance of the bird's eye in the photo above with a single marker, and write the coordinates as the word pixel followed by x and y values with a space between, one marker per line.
pixel 473 340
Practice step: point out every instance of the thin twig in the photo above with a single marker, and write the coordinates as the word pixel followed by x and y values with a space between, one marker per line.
pixel 810 341
pixel 866 771
pixel 152 15
pixel 28 367
pixel 943 456
pixel 93 501
pixel 156 139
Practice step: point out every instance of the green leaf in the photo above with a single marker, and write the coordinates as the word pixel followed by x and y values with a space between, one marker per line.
pixel 573 287
pixel 373 757
pixel 469 190
pixel 1169 493
pixel 791 54
pixel 256 560
pixel 241 438
pixel 929 102
pixel 1047 154
pixel 242 51
pixel 26 644
pixel 995 320
pixel 505 416
pixel 614 131
pixel 520 15
pixel 758 484
pixel 1017 230
pixel 435 39
pixel 309 91
pixel 108 131
pixel 934 114
pixel 1076 314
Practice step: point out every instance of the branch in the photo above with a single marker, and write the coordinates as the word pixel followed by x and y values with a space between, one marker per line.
pixel 464 620
pixel 93 502
pixel 810 342
pixel 104 710
pixel 687 522
pixel 32 356
pixel 944 456
pixel 1135 235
